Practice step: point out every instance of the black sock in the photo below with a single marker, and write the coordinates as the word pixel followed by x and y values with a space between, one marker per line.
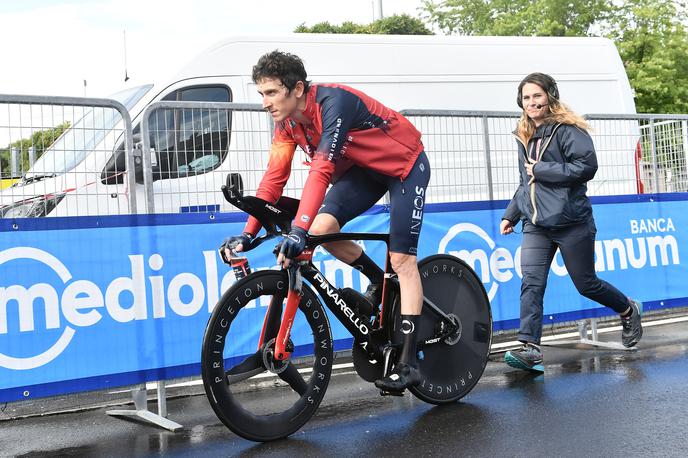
pixel 409 326
pixel 627 314
pixel 368 268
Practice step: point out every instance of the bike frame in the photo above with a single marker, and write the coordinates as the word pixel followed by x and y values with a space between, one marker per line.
pixel 360 329
pixel 278 222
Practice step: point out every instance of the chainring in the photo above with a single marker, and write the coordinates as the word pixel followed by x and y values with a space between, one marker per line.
pixel 369 370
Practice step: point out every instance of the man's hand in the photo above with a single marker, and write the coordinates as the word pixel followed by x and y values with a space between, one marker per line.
pixel 291 246
pixel 236 244
pixel 529 168
pixel 505 227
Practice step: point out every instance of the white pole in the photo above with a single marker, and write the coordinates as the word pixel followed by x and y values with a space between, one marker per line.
pixel 14 162
pixel 126 74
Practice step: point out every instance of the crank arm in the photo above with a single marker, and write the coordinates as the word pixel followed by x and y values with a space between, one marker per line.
pixel 435 309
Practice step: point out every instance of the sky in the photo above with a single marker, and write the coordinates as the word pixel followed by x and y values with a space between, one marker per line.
pixel 49 47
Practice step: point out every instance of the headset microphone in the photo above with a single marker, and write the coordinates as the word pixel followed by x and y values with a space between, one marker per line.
pixel 538 106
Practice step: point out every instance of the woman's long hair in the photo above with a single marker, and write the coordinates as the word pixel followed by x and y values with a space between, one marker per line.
pixel 559 112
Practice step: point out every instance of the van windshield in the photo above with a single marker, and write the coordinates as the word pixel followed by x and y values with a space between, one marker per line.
pixel 70 149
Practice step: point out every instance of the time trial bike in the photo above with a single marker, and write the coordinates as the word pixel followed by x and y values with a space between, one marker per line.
pixel 294 341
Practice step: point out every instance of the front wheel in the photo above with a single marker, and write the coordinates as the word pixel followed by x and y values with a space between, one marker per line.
pixel 451 367
pixel 235 360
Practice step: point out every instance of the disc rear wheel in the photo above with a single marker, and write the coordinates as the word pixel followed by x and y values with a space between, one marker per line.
pixel 451 367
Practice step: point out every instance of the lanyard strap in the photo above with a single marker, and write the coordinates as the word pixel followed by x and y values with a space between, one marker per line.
pixel 535 150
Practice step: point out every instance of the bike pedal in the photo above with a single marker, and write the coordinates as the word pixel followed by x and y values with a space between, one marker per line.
pixel 392 393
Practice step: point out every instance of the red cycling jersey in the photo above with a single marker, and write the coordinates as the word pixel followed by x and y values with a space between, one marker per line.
pixel 344 127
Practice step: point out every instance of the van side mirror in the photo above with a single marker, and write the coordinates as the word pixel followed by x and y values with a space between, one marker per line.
pixel 138 162
pixel 115 168
pixel 235 185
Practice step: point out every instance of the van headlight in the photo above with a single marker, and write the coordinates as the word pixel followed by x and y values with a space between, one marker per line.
pixel 31 208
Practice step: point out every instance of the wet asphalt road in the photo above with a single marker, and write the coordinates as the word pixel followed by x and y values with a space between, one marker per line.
pixel 589 403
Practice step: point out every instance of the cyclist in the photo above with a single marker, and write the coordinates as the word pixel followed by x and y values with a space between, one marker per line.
pixel 365 149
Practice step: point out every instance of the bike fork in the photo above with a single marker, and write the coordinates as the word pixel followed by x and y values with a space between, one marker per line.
pixel 282 347
pixel 282 351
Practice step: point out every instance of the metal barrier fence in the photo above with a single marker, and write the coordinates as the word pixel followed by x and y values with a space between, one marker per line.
pixel 228 137
pixel 56 149
pixel 664 140
pixel 74 156
pixel 472 153
pixel 660 139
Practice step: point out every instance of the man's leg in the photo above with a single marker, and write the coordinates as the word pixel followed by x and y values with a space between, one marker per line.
pixel 346 251
pixel 407 201
pixel 411 291
pixel 352 254
pixel 406 268
pixel 351 195
pixel 405 371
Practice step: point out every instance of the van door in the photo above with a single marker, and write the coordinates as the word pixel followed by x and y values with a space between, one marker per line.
pixel 186 143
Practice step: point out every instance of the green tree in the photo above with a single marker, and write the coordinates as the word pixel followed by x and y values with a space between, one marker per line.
pixel 40 141
pixel 326 27
pixel 400 24
pixel 653 44
pixel 649 34
pixel 516 17
pixel 4 162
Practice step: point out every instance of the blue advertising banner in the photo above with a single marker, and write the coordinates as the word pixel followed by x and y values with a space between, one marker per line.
pixel 96 302
pixel 638 249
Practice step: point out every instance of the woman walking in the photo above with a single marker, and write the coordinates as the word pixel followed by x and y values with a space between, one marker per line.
pixel 556 160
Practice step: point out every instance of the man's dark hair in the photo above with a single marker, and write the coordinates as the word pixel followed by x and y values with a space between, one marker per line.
pixel 287 68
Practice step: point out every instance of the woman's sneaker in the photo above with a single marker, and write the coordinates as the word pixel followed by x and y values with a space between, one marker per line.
pixel 632 328
pixel 528 357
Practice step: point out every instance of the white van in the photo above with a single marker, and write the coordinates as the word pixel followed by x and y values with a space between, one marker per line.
pixel 403 72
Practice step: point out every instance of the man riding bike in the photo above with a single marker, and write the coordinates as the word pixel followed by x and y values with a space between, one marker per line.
pixel 365 149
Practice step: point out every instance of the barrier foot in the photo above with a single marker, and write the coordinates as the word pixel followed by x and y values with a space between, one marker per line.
pixel 141 408
pixel 593 341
